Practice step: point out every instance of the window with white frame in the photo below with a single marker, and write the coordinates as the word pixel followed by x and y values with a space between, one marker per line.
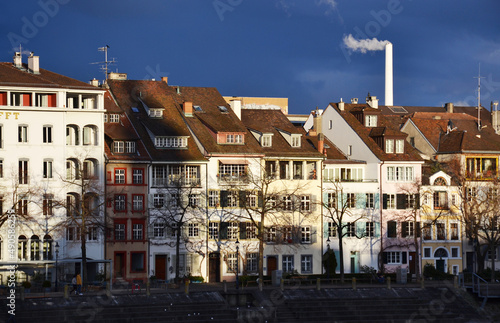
pixel 369 229
pixel 454 270
pixel 287 263
pixel 171 142
pixel 389 146
pixel 119 231
pixel 350 229
pixel 130 147
pixel 400 146
pixel 232 231
pixel 306 264
pixel 287 203
pixel 400 173
pixel 138 176
pixel 120 202
pixel 371 121
pixel 408 229
pixel 138 202
pixel 252 199
pixel 158 200
pixel 295 141
pixel 137 231
pixel 332 229
pixel 271 235
pixel 174 200
pixel 22 133
pixel 266 141
pixel 194 200
pixel 47 168
pixel 213 198
pixel 393 257
pixel 213 230
pixel 351 200
pixel 159 229
pixel 370 200
pixel 230 139
pixel 252 261
pixel 118 147
pixel 119 176
pixel 47 134
pixel 306 234
pixel 332 199
pixel 232 260
pixel 391 201
pixel 238 139
pixel 155 113
pixel 305 203
pixel 114 118
pixel 330 124
pixel 92 234
pixel 250 230
pixel 454 231
pixel 193 230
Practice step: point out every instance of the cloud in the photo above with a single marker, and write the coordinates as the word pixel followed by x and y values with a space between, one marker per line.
pixel 364 45
pixel 331 4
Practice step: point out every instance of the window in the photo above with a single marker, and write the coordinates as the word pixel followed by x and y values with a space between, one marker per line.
pixel 371 121
pixel 1 168
pixel 400 146
pixel 158 200
pixel 370 200
pixel 287 264
pixel 391 201
pixel 118 147
pixel 156 113
pixel 266 141
pixel 295 141
pixel 213 230
pixel 490 255
pixel 114 118
pixel 47 248
pixel 440 200
pixel 120 202
pixel 427 231
pixel 232 172
pixel 138 202
pixel 137 260
pixel 130 147
pixel 238 139
pixel 252 261
pixel 454 252
pixel 171 142
pixel 35 248
pixel 454 231
pixel 399 173
pixel 332 229
pixel 22 247
pixel 213 198
pixel 351 229
pixel 271 235
pixel 232 231
pixel 305 203
pixel 306 264
pixel 137 231
pixel 193 230
pixel 343 174
pixel 411 200
pixel 174 200
pixel 119 176
pixel 119 231
pixel 22 205
pixel 229 139
pixel 250 230
pixel 232 199
pixel 351 200
pixel 138 176
pixel 23 171
pixel 393 257
pixel 454 200
pixel 92 234
pixel 47 168
pixel 306 234
pixel 194 200
pixel 287 203
pixel 47 134
pixel 407 229
pixel 370 229
pixel 441 231
pixel 22 133
pixel 389 146
pixel 481 167
pixel 47 204
pixel 332 200
pixel 330 124
pixel 270 169
pixel 232 260
pixel 159 229
pixel 427 252
pixel 297 170
pixel 391 229
pixel 349 150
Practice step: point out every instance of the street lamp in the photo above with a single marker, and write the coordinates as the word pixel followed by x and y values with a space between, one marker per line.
pixel 328 258
pixel 57 256
pixel 237 262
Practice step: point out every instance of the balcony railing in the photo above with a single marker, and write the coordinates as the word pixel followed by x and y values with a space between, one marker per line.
pixel 233 178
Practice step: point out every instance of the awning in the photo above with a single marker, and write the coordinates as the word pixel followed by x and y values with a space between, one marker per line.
pixel 233 161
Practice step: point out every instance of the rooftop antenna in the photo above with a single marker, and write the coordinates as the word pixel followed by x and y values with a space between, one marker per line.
pixel 479 77
pixel 106 63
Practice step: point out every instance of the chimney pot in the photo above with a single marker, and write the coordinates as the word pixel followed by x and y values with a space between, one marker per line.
pixel 449 107
pixel 164 79
pixel 188 108
pixel 34 63
pixel 18 60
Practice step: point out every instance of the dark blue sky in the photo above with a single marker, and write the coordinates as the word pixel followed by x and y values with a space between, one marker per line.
pixel 275 48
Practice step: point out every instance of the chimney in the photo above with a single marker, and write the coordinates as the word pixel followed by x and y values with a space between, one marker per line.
pixel 372 101
pixel 388 74
pixel 164 79
pixel 18 60
pixel 236 107
pixel 94 82
pixel 341 105
pixel 317 121
pixel 188 108
pixel 34 63
pixel 494 116
pixel 354 100
pixel 321 143
pixel 449 107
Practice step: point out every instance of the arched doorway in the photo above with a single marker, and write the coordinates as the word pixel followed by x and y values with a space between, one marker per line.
pixel 441 255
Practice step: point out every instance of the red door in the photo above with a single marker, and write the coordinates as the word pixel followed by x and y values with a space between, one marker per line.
pixel 272 264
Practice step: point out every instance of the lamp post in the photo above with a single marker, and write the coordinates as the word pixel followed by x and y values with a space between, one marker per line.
pixel 57 256
pixel 328 258
pixel 237 263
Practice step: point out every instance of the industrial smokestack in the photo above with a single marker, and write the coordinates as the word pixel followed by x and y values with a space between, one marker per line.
pixel 388 75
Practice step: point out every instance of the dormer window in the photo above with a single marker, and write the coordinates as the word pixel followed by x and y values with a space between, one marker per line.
pixel 230 138
pixel 389 146
pixel 156 113
pixel 121 147
pixel 266 141
pixel 370 120
pixel 114 118
pixel 296 141
pixel 400 146
pixel 171 142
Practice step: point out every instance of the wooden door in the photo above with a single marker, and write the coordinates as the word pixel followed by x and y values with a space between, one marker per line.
pixel 412 263
pixel 161 267
pixel 272 264
pixel 120 264
pixel 214 268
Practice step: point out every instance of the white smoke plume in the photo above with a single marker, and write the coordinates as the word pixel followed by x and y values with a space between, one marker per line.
pixel 364 45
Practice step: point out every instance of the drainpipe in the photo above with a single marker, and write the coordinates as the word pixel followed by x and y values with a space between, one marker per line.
pixel 381 206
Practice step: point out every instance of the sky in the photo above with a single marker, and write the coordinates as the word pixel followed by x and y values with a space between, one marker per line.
pixel 297 49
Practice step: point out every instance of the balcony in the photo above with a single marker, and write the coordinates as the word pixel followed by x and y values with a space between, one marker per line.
pixel 233 178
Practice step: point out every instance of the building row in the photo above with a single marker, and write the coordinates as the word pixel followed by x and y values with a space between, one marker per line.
pixel 138 178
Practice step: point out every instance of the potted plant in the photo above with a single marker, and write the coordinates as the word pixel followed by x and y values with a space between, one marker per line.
pixel 27 285
pixel 46 285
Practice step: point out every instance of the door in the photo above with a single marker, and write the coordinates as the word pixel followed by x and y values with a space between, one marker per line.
pixel 214 267
pixel 272 264
pixel 120 265
pixel 412 262
pixel 161 267
pixel 354 262
pixel 440 265
pixel 469 262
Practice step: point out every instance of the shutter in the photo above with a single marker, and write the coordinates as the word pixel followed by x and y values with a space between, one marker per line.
pixel 400 201
pixel 344 229
pixel 376 200
pixel 243 230
pixel 314 234
pixel 337 257
pixel 377 229
pixel 325 200
pixel 384 257
pixel 384 201
pixel 313 203
pixel 223 230
pixel 391 229
pixel 259 200
pixel 173 260
pixel 404 228
pixel 403 257
pixel 360 201
pixel 224 198
pixel 242 198
pixel 325 230
pixel 418 230
pixel 417 201
pixel 150 232
pixel 360 229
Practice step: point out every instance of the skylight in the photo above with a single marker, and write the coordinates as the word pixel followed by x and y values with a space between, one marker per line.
pixel 398 109
pixel 197 108
pixel 135 109
pixel 222 108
